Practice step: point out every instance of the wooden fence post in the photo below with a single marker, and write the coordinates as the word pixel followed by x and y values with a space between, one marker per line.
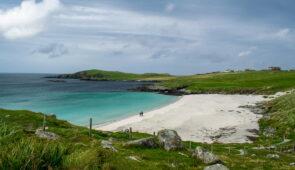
pixel 130 132
pixel 44 122
pixel 90 127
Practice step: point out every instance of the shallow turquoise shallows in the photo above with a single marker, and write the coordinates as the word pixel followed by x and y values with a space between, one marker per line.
pixel 76 101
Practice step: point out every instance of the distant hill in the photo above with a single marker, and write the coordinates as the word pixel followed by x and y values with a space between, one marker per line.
pixel 100 75
pixel 243 82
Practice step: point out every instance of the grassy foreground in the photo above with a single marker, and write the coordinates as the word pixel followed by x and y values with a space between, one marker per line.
pixel 21 149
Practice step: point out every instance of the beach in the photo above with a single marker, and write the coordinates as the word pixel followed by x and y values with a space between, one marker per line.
pixel 201 118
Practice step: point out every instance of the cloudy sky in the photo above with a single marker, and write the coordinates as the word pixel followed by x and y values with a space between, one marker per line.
pixel 166 36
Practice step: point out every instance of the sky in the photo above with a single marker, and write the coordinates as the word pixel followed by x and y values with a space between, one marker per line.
pixel 139 36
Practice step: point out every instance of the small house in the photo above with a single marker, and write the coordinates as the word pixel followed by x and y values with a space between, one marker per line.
pixel 274 68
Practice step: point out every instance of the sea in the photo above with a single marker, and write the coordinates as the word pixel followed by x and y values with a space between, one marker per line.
pixel 77 101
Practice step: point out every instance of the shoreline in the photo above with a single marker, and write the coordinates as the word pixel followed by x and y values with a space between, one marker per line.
pixel 199 117
pixel 129 116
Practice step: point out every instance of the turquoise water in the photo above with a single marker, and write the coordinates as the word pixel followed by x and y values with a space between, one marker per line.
pixel 77 101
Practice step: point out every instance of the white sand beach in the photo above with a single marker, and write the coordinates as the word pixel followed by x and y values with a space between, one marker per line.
pixel 200 118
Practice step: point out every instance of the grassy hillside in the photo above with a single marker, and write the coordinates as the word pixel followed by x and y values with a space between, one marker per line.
pixel 100 75
pixel 21 149
pixel 282 121
pixel 247 82
pixel 257 82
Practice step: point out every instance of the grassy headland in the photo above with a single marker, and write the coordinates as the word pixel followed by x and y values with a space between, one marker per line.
pixel 100 75
pixel 20 148
pixel 246 82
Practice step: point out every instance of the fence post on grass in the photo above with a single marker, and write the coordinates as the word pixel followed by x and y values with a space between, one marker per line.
pixel 130 132
pixel 90 127
pixel 44 122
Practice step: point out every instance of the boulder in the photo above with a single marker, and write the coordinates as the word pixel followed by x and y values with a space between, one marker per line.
pixel 110 148
pixel 205 155
pixel 216 167
pixel 273 156
pixel 145 142
pixel 51 115
pixel 134 158
pixel 170 140
pixel 105 142
pixel 48 135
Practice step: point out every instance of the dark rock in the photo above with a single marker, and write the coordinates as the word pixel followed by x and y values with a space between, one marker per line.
pixel 216 167
pixel 146 142
pixel 205 155
pixel 164 90
pixel 170 140
pixel 256 109
pixel 57 81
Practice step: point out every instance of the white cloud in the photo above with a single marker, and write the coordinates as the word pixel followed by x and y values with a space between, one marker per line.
pixel 169 7
pixel 53 50
pixel 245 53
pixel 27 19
pixel 283 33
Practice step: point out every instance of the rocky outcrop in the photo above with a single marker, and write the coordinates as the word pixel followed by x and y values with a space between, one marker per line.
pixel 51 115
pixel 48 135
pixel 163 90
pixel 216 167
pixel 146 142
pixel 205 155
pixel 170 140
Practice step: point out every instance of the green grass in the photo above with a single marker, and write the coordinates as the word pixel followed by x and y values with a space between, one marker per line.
pixel 257 82
pixel 282 112
pixel 21 149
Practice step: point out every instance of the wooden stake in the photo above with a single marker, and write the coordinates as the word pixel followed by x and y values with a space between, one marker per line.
pixel 90 127
pixel 44 123
pixel 130 132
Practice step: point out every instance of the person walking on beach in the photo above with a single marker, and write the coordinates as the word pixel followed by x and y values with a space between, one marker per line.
pixel 140 114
